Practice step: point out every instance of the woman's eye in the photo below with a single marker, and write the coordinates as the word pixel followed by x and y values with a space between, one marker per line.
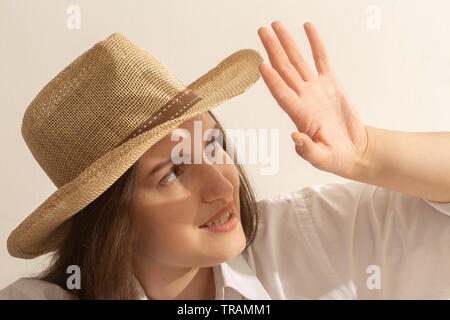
pixel 176 170
pixel 172 173
pixel 218 140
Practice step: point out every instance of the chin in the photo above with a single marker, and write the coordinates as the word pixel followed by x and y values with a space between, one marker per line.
pixel 234 247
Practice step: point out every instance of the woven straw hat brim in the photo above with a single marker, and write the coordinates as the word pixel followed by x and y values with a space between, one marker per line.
pixel 46 227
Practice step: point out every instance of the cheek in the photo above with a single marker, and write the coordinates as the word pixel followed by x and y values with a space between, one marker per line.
pixel 165 239
pixel 164 220
pixel 232 175
pixel 234 179
pixel 162 225
pixel 232 171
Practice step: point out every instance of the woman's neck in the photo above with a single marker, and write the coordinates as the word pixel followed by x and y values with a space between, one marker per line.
pixel 179 284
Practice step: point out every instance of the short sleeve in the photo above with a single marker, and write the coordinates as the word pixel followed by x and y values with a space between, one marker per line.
pixel 389 244
pixel 34 289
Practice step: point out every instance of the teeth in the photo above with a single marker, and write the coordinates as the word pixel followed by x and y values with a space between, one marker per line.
pixel 221 220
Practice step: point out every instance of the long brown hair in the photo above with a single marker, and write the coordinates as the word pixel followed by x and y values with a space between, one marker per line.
pixel 102 241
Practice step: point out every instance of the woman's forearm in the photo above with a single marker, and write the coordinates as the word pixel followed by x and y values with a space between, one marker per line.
pixel 415 163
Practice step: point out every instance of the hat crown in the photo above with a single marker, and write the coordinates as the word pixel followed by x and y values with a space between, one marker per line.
pixel 93 104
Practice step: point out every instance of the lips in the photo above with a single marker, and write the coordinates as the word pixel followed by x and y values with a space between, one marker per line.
pixel 219 213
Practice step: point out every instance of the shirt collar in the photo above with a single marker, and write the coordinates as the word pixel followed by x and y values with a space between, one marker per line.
pixel 235 274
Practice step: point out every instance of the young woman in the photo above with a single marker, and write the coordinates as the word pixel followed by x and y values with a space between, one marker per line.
pixel 145 235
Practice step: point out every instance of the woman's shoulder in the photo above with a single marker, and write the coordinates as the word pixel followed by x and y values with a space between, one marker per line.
pixel 34 289
pixel 302 198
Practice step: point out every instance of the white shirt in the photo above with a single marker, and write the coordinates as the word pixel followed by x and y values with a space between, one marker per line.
pixel 333 241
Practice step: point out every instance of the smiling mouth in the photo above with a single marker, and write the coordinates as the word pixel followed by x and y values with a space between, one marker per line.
pixel 227 209
pixel 219 221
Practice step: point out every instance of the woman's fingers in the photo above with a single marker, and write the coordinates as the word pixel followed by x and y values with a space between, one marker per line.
pixel 293 51
pixel 323 64
pixel 286 98
pixel 279 60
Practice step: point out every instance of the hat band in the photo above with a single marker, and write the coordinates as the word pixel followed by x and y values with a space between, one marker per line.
pixel 176 106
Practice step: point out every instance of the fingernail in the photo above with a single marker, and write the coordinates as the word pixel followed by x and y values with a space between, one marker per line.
pixel 299 143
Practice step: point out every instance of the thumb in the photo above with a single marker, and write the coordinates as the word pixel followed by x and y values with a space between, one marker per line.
pixel 303 144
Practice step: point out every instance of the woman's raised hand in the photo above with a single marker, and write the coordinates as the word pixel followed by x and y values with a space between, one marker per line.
pixel 329 126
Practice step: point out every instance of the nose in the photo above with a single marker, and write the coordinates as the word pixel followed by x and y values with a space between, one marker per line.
pixel 215 184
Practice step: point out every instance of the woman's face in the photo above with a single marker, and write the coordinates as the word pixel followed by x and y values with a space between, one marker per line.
pixel 172 204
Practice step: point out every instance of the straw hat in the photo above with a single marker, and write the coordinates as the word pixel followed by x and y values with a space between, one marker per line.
pixel 99 115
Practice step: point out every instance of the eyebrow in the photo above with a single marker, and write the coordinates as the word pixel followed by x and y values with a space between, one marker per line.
pixel 162 164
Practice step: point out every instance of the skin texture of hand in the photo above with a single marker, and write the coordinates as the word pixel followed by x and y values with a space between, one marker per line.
pixel 329 126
